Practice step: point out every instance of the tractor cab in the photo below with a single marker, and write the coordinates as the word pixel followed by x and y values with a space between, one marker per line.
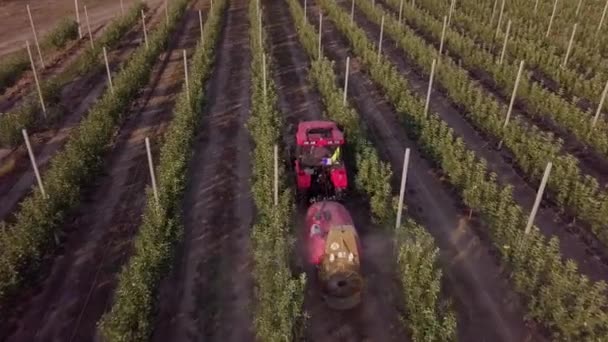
pixel 320 170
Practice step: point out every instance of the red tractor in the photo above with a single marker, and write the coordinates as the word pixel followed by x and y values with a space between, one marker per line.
pixel 319 167
pixel 332 247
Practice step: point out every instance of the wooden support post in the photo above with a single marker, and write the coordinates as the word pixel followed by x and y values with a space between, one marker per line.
pixel 78 19
pixel 551 20
pixel 265 87
pixel 33 160
pixel 261 32
pixel 600 106
pixel 535 6
pixel 152 175
pixel 346 81
pixel 320 32
pixel 122 7
pixel 186 75
pixel 380 38
pixel 445 23
pixel 352 11
pixel 539 197
pixel 569 45
pixel 450 12
pixel 29 13
pixel 504 45
pixel 502 9
pixel 29 53
pixel 143 21
pixel 276 175
pixel 493 12
pixel 521 68
pixel 200 23
pixel 86 15
pixel 430 89
pixel 599 26
pixel 406 160
pixel 400 11
pixel 105 57
pixel 578 8
pixel 167 12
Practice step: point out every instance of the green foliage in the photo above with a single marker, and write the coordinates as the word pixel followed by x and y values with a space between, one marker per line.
pixel 537 269
pixel 428 319
pixel 12 67
pixel 28 114
pixel 30 237
pixel 66 30
pixel 278 295
pixel 132 312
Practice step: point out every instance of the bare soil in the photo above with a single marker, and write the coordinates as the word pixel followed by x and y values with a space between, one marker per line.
pixel 576 242
pixel 16 29
pixel 209 294
pixel 487 308
pixel 79 286
pixel 76 100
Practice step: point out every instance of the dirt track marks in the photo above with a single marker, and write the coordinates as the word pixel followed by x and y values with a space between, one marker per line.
pixel 208 296
pixel 486 307
pixel 297 98
pixel 587 254
pixel 83 277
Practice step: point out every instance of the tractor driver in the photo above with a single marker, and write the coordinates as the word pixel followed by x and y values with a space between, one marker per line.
pixel 334 159
pixel 321 155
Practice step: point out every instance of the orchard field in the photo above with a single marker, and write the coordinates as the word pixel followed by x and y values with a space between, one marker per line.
pixel 150 215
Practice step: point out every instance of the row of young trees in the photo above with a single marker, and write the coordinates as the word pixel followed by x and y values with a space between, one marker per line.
pixel 589 14
pixel 567 303
pixel 279 295
pixel 427 317
pixel 24 243
pixel 576 193
pixel 589 46
pixel 539 58
pixel 132 313
pixel 28 114
pixel 538 101
pixel 15 64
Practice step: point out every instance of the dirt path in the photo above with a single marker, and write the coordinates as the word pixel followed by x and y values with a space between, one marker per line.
pixel 298 101
pixel 82 279
pixel 46 14
pixel 576 242
pixel 208 296
pixel 487 308
pixel 76 99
